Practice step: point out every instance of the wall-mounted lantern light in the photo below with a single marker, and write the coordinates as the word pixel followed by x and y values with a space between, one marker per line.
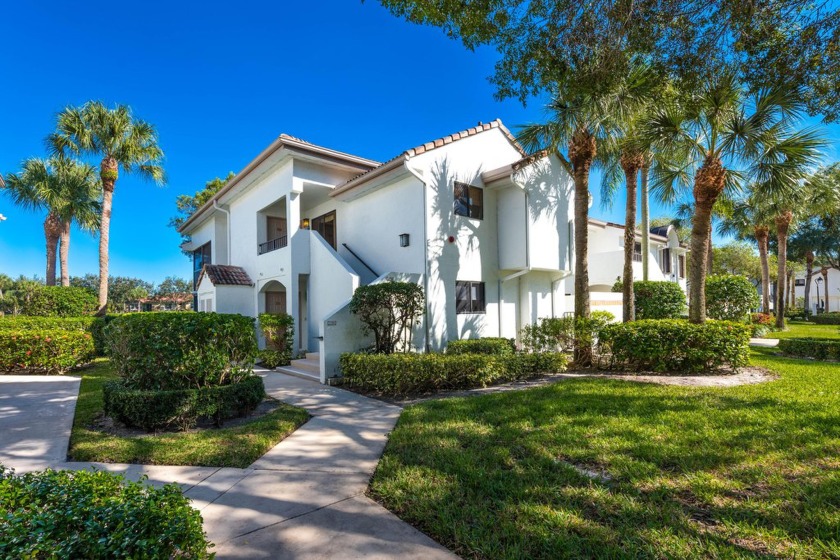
pixel 403 240
pixel 304 223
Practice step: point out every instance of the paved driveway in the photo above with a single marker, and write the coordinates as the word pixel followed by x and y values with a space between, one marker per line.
pixel 36 416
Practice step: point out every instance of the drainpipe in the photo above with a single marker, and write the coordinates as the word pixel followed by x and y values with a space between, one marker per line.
pixel 419 174
pixel 227 226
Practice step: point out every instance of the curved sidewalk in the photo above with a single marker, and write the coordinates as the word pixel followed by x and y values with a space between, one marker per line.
pixel 304 499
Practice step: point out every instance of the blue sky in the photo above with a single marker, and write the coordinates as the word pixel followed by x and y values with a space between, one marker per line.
pixel 221 81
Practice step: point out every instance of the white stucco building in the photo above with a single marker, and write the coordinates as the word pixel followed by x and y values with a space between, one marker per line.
pixel 820 285
pixel 481 225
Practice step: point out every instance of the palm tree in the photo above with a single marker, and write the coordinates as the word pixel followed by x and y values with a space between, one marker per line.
pixel 723 138
pixel 69 191
pixel 121 141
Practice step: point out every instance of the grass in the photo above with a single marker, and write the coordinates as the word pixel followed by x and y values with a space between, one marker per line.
pixel 680 472
pixel 237 446
pixel 800 329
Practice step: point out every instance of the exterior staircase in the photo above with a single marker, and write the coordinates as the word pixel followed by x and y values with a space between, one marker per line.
pixel 307 368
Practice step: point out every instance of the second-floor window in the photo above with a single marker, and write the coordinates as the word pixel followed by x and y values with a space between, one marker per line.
pixel 666 261
pixel 469 201
pixel 469 297
pixel 201 256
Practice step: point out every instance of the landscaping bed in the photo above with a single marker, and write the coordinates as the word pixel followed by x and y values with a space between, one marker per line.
pixel 602 468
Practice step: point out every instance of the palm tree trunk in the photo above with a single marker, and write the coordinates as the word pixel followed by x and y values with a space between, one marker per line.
pixel 710 253
pixel 708 184
pixel 630 164
pixel 762 236
pixel 782 224
pixel 52 232
pixel 108 172
pixel 645 202
pixel 809 272
pixel 65 252
pixel 581 154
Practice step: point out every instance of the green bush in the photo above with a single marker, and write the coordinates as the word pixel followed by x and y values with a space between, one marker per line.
pixel 489 345
pixel 730 297
pixel 558 334
pixel 829 318
pixel 817 348
pixel 93 325
pixel 45 350
pixel 59 301
pixel 389 310
pixel 279 333
pixel 673 345
pixel 658 300
pixel 181 408
pixel 173 350
pixel 405 374
pixel 83 514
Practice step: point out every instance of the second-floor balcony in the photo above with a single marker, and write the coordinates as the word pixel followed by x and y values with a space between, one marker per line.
pixel 272 245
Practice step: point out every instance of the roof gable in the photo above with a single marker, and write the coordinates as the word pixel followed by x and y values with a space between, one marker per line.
pixel 225 275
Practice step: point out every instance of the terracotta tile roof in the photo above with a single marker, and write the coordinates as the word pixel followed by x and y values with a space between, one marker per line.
pixel 428 146
pixel 226 275
pixel 170 298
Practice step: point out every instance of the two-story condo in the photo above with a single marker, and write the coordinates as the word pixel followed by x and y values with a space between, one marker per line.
pixel 480 224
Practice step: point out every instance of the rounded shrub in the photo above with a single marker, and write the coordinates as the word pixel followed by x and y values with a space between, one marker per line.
pixel 48 351
pixel 658 300
pixel 279 333
pixel 59 301
pixel 489 345
pixel 181 408
pixel 730 297
pixel 84 514
pixel 676 346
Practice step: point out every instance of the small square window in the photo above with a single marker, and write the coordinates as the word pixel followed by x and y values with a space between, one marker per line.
pixel 469 201
pixel 469 297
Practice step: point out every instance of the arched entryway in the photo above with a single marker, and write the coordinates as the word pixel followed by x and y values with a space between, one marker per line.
pixel 272 298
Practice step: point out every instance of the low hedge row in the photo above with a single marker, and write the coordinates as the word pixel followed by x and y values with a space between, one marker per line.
pixel 47 351
pixel 676 346
pixel 406 374
pixel 66 514
pixel 829 318
pixel 817 348
pixel 181 408
pixel 490 345
pixel 93 325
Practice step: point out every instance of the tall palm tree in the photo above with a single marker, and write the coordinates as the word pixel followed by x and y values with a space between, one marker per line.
pixel 69 192
pixel 122 142
pixel 725 137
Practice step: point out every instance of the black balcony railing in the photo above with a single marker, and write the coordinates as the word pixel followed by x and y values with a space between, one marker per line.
pixel 272 245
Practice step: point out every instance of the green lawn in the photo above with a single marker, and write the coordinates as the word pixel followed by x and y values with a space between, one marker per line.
pixel 798 329
pixel 740 472
pixel 238 446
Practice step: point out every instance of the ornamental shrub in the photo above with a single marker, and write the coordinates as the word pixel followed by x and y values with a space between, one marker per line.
pixel 816 348
pixel 47 351
pixel 279 333
pixel 730 297
pixel 405 374
pixel 181 408
pixel 829 318
pixel 558 334
pixel 93 325
pixel 174 350
pixel 389 310
pixel 59 301
pixel 658 300
pixel 675 346
pixel 763 319
pixel 84 514
pixel 489 345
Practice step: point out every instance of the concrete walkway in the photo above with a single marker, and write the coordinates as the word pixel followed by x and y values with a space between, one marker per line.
pixel 304 499
pixel 764 342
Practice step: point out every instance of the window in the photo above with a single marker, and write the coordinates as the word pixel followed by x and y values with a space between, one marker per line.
pixel 682 266
pixel 469 297
pixel 799 282
pixel 637 251
pixel 469 201
pixel 325 225
pixel 666 261
pixel 201 256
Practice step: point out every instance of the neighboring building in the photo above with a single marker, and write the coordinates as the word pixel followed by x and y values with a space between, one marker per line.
pixel 481 225
pixel 667 262
pixel 819 285
pixel 170 302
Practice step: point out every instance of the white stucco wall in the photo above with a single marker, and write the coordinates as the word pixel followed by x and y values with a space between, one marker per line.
pixel 236 299
pixel 331 285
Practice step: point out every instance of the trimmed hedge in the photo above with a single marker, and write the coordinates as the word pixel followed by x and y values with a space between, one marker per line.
pixel 829 318
pixel 83 514
pixel 817 348
pixel 59 301
pixel 93 325
pixel 47 351
pixel 181 408
pixel 658 300
pixel 490 345
pixel 406 374
pixel 730 297
pixel 676 346
pixel 173 350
